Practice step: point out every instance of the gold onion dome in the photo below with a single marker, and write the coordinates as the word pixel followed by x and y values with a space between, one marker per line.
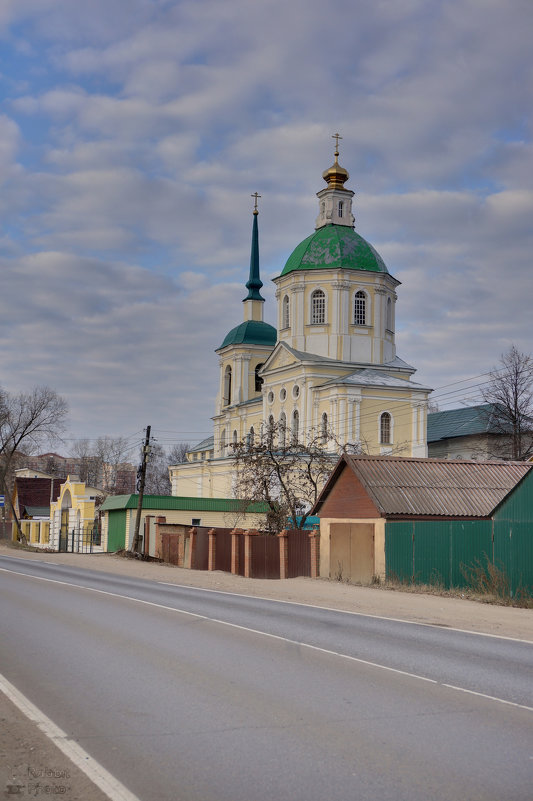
pixel 336 176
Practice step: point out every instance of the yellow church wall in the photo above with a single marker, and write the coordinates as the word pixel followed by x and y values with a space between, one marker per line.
pixel 81 506
pixel 332 350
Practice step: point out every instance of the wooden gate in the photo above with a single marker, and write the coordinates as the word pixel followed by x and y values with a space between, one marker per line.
pixel 352 552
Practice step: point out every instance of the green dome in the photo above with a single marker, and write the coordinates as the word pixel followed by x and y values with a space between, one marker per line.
pixel 251 332
pixel 335 247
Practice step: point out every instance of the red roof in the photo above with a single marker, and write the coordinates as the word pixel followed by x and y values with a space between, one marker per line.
pixel 37 491
pixel 400 486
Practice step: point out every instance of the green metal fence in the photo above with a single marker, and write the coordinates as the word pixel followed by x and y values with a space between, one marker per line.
pixel 447 552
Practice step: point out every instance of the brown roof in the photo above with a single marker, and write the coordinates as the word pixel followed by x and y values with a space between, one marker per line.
pixel 431 487
pixel 36 491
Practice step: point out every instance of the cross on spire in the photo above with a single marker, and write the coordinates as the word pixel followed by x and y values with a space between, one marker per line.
pixel 255 196
pixel 336 136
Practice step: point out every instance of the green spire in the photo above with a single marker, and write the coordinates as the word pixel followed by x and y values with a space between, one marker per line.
pixel 254 283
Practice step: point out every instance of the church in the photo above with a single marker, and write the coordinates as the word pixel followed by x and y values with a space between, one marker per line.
pixel 330 365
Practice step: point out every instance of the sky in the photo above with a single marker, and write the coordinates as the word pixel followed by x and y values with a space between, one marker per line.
pixel 133 133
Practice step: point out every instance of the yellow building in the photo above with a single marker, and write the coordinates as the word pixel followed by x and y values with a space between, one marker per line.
pixel 72 518
pixel 331 364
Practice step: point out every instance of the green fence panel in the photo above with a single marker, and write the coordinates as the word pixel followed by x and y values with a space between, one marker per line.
pixel 513 553
pixel 432 552
pixel 471 545
pixel 116 534
pixel 399 550
pixel 502 548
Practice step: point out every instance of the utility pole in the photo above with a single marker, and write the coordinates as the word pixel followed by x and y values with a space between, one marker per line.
pixel 140 488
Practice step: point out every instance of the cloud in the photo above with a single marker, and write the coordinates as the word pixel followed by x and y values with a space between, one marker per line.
pixel 135 132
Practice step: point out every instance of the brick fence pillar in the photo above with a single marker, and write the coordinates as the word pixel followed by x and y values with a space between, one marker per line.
pixel 159 521
pixel 248 551
pixel 283 554
pixel 146 538
pixel 314 536
pixel 235 534
pixel 212 549
pixel 192 548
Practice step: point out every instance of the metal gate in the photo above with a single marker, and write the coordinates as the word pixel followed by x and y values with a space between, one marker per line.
pixel 82 540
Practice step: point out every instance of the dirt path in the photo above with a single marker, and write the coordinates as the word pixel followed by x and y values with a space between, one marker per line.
pixel 417 607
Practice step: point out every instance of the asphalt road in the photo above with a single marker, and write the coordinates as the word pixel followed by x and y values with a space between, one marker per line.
pixel 186 694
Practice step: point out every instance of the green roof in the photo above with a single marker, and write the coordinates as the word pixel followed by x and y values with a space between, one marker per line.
pixel 170 502
pixel 205 445
pixel 37 511
pixel 462 422
pixel 335 247
pixel 251 332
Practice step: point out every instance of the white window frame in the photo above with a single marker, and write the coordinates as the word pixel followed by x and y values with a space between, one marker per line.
pixel 285 312
pixel 318 307
pixel 386 416
pixel 360 297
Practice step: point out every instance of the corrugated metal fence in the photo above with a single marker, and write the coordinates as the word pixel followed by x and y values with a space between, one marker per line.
pixel 448 552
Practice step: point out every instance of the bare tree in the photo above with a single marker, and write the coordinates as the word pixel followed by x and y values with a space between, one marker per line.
pixel 27 419
pixel 510 390
pixel 89 467
pixel 177 454
pixel 111 454
pixel 157 479
pixel 286 473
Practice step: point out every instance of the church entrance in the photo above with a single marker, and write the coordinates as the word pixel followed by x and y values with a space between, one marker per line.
pixel 352 552
pixel 66 505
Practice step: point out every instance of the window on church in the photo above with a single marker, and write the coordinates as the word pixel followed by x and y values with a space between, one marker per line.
pixel 318 307
pixel 223 442
pixel 324 429
pixel 227 386
pixel 270 431
pixel 235 438
pixel 295 425
pixel 359 311
pixel 385 429
pixel 251 437
pixel 389 314
pixel 282 429
pixel 341 208
pixel 285 317
pixel 258 379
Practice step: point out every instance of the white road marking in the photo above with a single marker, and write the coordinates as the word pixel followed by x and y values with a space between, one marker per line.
pixel 490 697
pixel 299 603
pixel 109 785
pixel 272 636
pixel 347 612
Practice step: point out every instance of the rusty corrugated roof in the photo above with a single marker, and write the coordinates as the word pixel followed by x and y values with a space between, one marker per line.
pixel 436 487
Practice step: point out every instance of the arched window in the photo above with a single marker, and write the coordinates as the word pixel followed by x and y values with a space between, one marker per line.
pixel 385 429
pixel 341 208
pixel 227 386
pixel 223 442
pixel 318 307
pixel 295 424
pixel 251 437
pixel 285 316
pixel 359 308
pixel 389 314
pixel 324 429
pixel 235 438
pixel 270 431
pixel 282 429
pixel 258 379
